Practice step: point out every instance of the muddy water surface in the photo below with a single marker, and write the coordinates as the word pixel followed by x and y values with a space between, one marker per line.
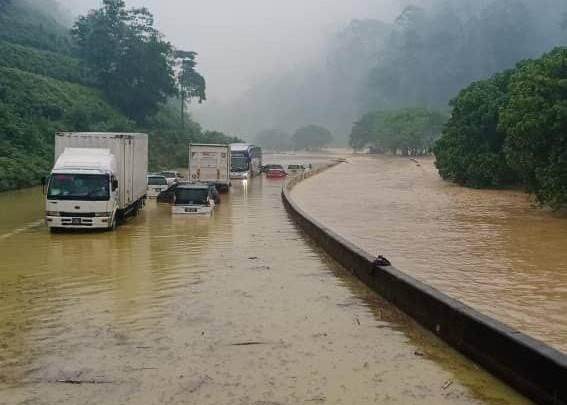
pixel 490 249
pixel 236 309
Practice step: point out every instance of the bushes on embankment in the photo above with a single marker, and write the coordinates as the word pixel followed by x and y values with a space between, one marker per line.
pixel 45 89
pixel 511 130
pixel 32 109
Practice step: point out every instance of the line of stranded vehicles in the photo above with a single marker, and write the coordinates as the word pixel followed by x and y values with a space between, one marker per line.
pixel 99 179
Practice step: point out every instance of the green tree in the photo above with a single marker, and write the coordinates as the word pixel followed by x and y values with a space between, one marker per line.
pixel 127 56
pixel 311 137
pixel 191 84
pixel 470 152
pixel 535 120
pixel 409 131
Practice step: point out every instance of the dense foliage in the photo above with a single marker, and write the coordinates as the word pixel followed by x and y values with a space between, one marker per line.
pixel 311 137
pixel 512 129
pixel 43 89
pixel 32 109
pixel 535 121
pixel 127 56
pixel 34 24
pixel 471 150
pixel 407 131
pixel 44 63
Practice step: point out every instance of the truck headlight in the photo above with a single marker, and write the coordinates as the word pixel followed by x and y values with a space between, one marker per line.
pixel 103 214
pixel 52 213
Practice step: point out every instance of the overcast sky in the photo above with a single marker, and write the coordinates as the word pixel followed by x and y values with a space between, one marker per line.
pixel 240 41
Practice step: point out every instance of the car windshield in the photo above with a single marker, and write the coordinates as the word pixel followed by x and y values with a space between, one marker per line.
pixel 157 181
pixel 274 167
pixel 185 196
pixel 169 175
pixel 295 167
pixel 239 164
pixel 84 187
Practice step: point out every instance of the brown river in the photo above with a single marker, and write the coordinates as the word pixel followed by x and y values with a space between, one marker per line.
pixel 491 249
pixel 240 308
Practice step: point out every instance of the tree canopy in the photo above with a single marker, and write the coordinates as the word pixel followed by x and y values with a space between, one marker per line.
pixel 127 57
pixel 511 129
pixel 311 137
pixel 409 131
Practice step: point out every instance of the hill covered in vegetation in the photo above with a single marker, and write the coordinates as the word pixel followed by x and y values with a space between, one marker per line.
pixel 48 83
pixel 510 130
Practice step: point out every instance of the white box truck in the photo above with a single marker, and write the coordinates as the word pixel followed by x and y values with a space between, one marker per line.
pixel 210 163
pixel 97 180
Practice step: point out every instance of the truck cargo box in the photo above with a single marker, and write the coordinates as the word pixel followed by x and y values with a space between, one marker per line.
pixel 210 164
pixel 130 151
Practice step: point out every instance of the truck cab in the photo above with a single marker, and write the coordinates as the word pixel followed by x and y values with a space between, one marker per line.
pixel 82 190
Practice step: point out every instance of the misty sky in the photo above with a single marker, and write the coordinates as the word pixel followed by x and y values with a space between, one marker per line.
pixel 240 42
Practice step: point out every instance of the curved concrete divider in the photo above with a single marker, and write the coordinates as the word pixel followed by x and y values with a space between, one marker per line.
pixel 530 366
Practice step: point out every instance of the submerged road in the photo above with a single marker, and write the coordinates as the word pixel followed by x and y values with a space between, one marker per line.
pixel 491 249
pixel 237 309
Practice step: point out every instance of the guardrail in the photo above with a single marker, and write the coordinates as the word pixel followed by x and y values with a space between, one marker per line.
pixel 528 365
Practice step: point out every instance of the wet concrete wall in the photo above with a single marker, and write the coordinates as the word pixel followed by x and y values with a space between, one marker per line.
pixel 531 367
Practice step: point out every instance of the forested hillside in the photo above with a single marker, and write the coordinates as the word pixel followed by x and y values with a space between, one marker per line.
pixel 48 84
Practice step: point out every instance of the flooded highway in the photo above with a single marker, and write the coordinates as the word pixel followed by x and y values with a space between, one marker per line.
pixel 240 308
pixel 489 248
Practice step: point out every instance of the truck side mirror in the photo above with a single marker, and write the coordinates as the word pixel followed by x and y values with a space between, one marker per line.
pixel 114 184
pixel 43 184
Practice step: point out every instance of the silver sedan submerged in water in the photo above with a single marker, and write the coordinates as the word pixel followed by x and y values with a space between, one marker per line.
pixel 193 199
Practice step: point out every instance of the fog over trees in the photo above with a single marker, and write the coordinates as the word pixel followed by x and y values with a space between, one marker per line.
pixel 421 58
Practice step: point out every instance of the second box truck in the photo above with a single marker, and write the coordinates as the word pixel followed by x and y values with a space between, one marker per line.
pixel 210 163
pixel 97 180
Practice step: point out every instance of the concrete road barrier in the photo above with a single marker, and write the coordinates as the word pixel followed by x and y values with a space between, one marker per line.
pixel 530 366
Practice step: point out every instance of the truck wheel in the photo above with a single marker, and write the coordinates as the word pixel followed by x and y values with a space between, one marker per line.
pixel 112 226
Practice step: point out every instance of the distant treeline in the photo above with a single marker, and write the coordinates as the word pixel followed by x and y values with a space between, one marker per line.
pixel 409 132
pixel 310 137
pixel 423 58
pixel 112 72
pixel 512 130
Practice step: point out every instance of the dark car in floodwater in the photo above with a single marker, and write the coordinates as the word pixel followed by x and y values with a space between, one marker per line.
pixel 168 196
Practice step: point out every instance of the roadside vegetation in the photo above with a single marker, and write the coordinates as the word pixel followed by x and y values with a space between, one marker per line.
pixel 113 71
pixel 309 137
pixel 511 130
pixel 409 132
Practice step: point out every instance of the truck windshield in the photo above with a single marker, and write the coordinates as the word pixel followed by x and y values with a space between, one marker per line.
pixel 186 196
pixel 157 181
pixel 239 163
pixel 83 187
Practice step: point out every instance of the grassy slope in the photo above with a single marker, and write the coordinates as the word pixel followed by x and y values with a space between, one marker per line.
pixel 32 109
pixel 34 23
pixel 43 90
pixel 46 63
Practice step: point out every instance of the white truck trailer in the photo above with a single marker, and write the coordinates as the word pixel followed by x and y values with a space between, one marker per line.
pixel 98 179
pixel 210 164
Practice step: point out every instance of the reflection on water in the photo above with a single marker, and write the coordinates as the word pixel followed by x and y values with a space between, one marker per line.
pixel 491 249
pixel 235 309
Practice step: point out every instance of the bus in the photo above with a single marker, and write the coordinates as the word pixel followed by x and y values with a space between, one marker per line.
pixel 246 161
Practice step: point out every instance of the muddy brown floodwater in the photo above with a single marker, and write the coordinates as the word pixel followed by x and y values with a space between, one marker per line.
pixel 237 309
pixel 491 249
